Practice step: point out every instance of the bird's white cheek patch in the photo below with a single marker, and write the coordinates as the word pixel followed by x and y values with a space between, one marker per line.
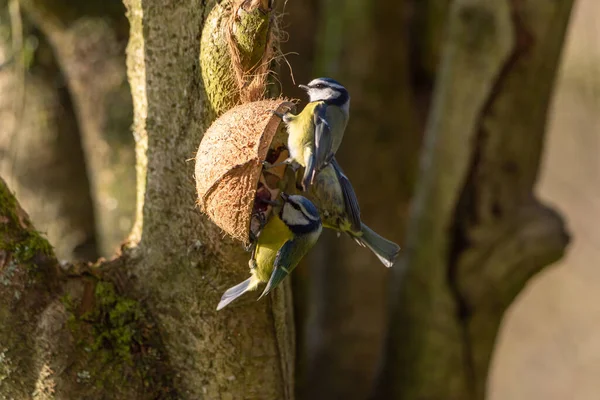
pixel 293 217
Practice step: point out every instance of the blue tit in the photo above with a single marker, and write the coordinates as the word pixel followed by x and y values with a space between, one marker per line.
pixel 334 196
pixel 286 237
pixel 316 133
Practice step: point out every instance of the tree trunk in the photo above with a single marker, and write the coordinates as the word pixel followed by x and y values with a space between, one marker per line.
pixel 476 233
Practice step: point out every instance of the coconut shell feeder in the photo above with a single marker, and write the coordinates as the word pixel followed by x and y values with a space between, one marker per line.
pixel 229 170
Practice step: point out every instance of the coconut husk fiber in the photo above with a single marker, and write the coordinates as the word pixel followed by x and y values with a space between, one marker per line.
pixel 229 163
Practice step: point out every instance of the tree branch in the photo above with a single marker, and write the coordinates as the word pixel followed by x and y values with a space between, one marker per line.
pixel 71 330
pixel 28 283
pixel 496 266
pixel 494 269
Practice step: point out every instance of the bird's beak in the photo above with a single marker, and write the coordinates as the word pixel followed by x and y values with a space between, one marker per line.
pixel 284 196
pixel 304 87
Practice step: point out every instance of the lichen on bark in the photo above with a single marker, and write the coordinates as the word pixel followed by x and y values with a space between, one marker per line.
pixel 236 49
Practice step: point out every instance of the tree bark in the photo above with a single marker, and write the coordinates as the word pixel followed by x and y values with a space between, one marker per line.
pixel 27 281
pixel 476 233
pixel 66 330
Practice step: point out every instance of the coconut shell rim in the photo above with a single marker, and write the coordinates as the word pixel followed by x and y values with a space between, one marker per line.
pixel 268 134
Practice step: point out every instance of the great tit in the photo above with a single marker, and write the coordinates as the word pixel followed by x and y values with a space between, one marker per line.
pixel 316 133
pixel 287 236
pixel 336 200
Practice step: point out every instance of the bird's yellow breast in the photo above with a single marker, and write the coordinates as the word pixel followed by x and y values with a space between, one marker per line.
pixel 301 130
pixel 272 237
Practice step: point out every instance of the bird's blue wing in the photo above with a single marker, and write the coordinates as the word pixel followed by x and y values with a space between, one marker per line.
pixel 310 169
pixel 283 265
pixel 323 139
pixel 350 200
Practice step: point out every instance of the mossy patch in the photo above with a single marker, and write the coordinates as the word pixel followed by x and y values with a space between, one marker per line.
pixel 114 320
pixel 24 245
pixel 236 53
pixel 109 330
pixel 7 202
pixel 117 342
pixel 32 245
pixel 27 249
pixel 16 233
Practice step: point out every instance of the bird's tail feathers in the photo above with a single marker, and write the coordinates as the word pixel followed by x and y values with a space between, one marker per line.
pixel 236 291
pixel 384 249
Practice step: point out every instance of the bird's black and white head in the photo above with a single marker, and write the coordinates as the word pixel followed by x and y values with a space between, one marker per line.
pixel 327 90
pixel 300 215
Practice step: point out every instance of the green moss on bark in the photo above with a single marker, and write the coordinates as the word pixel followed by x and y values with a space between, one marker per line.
pixel 8 208
pixel 24 245
pixel 115 321
pixel 252 36
pixel 221 67
pixel 115 342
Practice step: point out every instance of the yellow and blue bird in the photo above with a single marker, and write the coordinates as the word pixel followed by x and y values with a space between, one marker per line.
pixel 336 200
pixel 316 133
pixel 288 235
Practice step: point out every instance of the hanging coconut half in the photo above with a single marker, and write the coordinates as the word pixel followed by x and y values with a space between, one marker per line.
pixel 230 178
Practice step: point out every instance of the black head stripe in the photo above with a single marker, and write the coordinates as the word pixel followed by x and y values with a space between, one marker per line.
pixel 303 229
pixel 340 100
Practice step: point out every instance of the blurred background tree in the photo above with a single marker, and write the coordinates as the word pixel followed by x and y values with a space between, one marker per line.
pixel 449 107
pixel 76 60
